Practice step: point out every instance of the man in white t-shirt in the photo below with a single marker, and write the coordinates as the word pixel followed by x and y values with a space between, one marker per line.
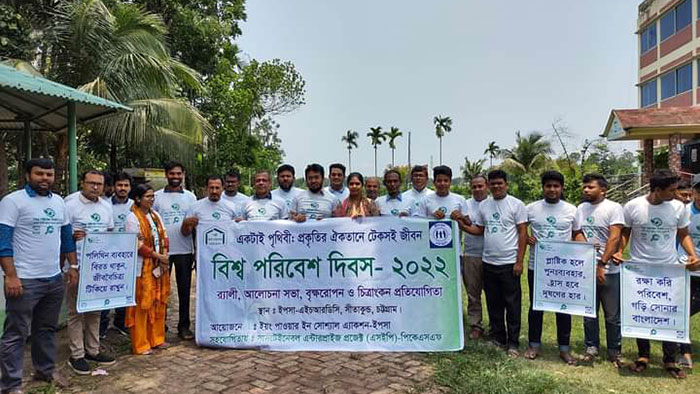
pixel 232 181
pixel 472 265
pixel 286 190
pixel 212 208
pixel 442 204
pixel 262 206
pixel 121 207
pixel 172 204
pixel 502 220
pixel 554 220
pixel 653 224
pixel 419 187
pixel 34 233
pixel 393 204
pixel 686 358
pixel 313 203
pixel 336 182
pixel 600 221
pixel 87 213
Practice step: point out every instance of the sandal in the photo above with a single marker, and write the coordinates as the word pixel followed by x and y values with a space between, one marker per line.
pixel 588 358
pixel 567 358
pixel 674 371
pixel 640 365
pixel 685 361
pixel 531 353
pixel 513 352
pixel 616 360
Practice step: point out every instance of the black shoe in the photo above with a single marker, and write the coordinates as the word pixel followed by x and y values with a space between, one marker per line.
pixel 79 366
pixel 186 334
pixel 101 358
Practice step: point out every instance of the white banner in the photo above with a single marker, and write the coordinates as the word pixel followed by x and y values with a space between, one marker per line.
pixel 374 284
pixel 655 301
pixel 565 278
pixel 107 271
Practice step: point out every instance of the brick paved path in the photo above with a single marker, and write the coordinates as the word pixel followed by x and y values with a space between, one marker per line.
pixel 186 368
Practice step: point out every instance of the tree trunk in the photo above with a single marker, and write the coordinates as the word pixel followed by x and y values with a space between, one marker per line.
pixel 349 161
pixel 440 150
pixel 375 161
pixel 392 157
pixel 61 162
pixel 4 183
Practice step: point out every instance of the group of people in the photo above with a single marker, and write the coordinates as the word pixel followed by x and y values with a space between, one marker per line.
pixel 40 233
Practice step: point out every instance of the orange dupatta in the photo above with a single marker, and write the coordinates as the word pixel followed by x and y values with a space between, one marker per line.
pixel 149 289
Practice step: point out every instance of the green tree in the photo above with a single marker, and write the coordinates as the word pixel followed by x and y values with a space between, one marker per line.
pixel 392 135
pixel 376 137
pixel 443 125
pixel 529 153
pixel 470 169
pixel 492 150
pixel 350 138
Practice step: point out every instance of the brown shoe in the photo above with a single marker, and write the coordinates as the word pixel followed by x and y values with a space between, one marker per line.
pixel 475 334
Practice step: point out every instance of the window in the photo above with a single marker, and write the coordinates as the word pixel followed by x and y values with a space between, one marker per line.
pixel 649 93
pixel 677 81
pixel 648 37
pixel 676 19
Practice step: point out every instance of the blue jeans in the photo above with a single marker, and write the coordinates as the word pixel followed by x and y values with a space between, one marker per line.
pixel 608 295
pixel 38 307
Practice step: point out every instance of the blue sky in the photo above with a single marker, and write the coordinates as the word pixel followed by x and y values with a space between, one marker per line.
pixel 494 67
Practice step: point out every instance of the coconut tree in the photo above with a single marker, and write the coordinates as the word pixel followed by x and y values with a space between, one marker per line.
pixel 443 125
pixel 529 152
pixel 350 138
pixel 392 135
pixel 377 136
pixel 122 54
pixel 492 150
pixel 470 169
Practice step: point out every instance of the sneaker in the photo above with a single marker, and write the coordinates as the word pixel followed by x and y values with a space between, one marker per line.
pixel 79 366
pixel 101 358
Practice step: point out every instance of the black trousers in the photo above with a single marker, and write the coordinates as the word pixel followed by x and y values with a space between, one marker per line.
pixel 503 299
pixel 670 349
pixel 534 322
pixel 119 316
pixel 694 307
pixel 183 264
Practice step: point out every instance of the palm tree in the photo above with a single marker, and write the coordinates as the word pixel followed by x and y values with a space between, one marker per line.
pixel 122 55
pixel 528 153
pixel 493 151
pixel 443 125
pixel 350 138
pixel 470 169
pixel 392 135
pixel 377 137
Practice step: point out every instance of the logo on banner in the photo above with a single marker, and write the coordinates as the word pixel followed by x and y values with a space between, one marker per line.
pixel 215 236
pixel 440 235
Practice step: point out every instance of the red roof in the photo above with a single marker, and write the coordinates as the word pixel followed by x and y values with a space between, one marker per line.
pixel 658 117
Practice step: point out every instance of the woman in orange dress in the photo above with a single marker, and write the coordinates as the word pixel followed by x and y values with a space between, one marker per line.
pixel 356 205
pixel 147 319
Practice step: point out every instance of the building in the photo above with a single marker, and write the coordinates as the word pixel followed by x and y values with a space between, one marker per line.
pixel 668 34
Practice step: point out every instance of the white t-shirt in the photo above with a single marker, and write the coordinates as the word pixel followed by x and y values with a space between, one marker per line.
pixel 414 197
pixel 694 231
pixel 315 205
pixel 71 196
pixel 172 207
pixel 286 196
pixel 211 211
pixel 552 222
pixel 447 204
pixel 394 206
pixel 500 219
pixel 90 216
pixel 654 229
pixel 265 209
pixel 342 194
pixel 473 244
pixel 121 211
pixel 36 240
pixel 594 221
pixel 239 199
pixel 133 226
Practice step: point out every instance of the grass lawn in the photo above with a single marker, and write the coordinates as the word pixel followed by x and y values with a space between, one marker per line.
pixel 480 368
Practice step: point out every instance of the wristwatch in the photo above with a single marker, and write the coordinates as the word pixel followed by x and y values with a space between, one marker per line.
pixel 74 266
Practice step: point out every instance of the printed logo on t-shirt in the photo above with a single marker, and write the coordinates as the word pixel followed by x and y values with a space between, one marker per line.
pixel 49 212
pixel 443 209
pixel 121 216
pixel 394 211
pixel 496 215
pixel 261 211
pixel 657 222
pixel 590 220
pixel 551 220
pixel 216 215
pixel 314 205
pixel 175 206
pixel 95 217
